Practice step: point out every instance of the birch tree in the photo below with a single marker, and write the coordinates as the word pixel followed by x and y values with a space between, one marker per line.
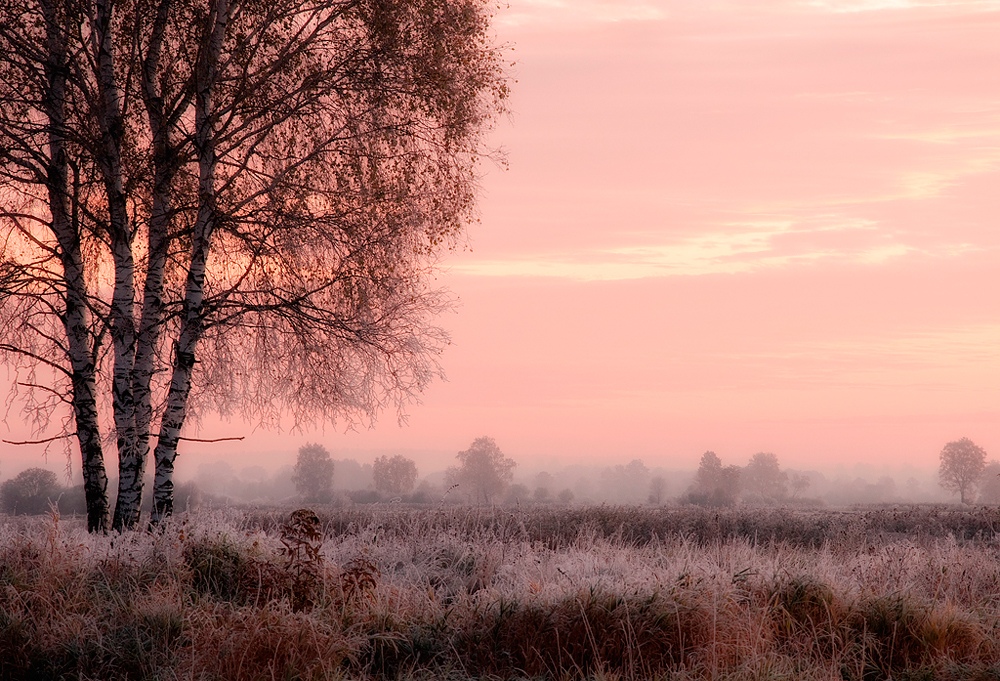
pixel 336 147
pixel 278 178
pixel 52 336
pixel 98 56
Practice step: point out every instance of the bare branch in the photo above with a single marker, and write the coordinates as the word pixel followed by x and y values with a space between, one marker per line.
pixel 6 347
pixel 218 439
pixel 39 442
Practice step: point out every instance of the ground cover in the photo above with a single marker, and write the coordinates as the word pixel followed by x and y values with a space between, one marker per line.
pixel 460 593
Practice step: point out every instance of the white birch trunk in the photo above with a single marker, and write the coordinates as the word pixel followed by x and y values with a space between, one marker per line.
pixel 123 333
pixel 132 467
pixel 192 320
pixel 77 316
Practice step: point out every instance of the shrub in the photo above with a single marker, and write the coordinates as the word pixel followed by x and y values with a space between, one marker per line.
pixel 30 493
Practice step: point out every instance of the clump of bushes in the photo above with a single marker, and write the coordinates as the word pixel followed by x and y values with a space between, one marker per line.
pixel 36 491
pixel 563 528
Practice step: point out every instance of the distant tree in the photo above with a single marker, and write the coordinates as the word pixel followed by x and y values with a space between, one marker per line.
pixel 426 493
pixel 566 496
pixel 396 475
pixel 799 482
pixel 313 476
pixel 542 495
pixel 353 475
pixel 625 484
pixel 543 487
pixel 516 493
pixel 962 466
pixel 706 478
pixel 727 492
pixel 484 473
pixel 884 489
pixel 30 492
pixel 713 484
pixel 217 478
pixel 763 479
pixel 657 490
pixel 545 479
pixel 989 486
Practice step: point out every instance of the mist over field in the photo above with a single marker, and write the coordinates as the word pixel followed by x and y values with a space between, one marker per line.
pixel 216 480
pixel 625 483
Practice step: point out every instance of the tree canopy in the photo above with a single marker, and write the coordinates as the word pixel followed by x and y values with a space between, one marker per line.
pixel 483 471
pixel 713 484
pixel 962 466
pixel 763 479
pixel 30 491
pixel 394 475
pixel 231 205
pixel 313 473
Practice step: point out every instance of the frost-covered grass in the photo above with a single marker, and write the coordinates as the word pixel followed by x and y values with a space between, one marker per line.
pixel 602 593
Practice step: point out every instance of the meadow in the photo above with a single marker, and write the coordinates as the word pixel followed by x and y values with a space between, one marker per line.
pixel 386 592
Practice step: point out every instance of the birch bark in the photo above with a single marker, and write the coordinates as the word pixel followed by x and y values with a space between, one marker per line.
pixel 76 319
pixel 164 156
pixel 123 332
pixel 192 322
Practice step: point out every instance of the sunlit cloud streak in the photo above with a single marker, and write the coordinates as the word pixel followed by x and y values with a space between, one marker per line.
pixel 846 6
pixel 737 248
pixel 576 12
pixel 538 13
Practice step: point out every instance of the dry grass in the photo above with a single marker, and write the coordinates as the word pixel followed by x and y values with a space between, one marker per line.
pixel 603 593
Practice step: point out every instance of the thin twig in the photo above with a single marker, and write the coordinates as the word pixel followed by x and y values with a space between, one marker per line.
pixel 218 439
pixel 38 442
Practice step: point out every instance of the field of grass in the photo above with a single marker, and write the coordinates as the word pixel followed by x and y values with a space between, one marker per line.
pixel 591 593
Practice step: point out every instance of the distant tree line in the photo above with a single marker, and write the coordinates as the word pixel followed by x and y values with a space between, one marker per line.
pixel 484 475
pixel 37 491
pixel 963 470
pixel 759 482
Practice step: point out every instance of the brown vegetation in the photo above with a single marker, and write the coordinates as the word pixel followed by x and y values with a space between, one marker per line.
pixel 610 593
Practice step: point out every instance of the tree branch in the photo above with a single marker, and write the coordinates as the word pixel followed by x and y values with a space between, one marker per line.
pixel 218 439
pixel 40 442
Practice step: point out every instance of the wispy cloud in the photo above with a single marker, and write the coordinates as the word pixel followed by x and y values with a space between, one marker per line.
pixel 731 248
pixel 961 159
pixel 845 6
pixel 564 12
pixel 947 135
pixel 971 348
pixel 928 184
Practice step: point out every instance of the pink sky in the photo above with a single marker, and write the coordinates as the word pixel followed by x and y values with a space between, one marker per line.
pixel 737 229
pixel 738 226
